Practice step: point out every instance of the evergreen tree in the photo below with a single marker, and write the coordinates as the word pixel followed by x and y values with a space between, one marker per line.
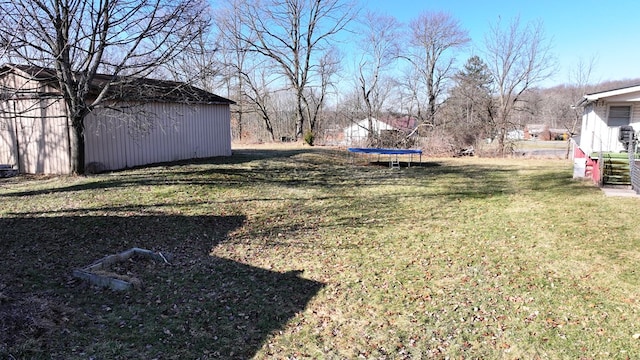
pixel 469 108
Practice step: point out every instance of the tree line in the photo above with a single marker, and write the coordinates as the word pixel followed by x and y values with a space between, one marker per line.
pixel 299 68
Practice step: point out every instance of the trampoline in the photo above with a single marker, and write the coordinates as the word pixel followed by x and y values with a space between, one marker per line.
pixel 393 161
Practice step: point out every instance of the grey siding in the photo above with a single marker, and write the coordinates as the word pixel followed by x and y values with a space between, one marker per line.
pixel 34 130
pixel 8 136
pixel 33 136
pixel 157 132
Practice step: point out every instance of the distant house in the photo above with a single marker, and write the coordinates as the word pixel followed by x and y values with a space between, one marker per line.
pixel 604 115
pixel 515 135
pixel 357 134
pixel 146 121
pixel 536 132
pixel 543 132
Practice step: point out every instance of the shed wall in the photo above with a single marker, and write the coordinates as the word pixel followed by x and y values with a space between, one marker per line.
pixel 156 132
pixel 20 84
pixel 33 135
pixel 8 136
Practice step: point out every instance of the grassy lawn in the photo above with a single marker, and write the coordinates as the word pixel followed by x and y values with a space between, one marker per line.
pixel 538 144
pixel 306 253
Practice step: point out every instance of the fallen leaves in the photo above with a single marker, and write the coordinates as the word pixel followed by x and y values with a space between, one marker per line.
pixel 459 260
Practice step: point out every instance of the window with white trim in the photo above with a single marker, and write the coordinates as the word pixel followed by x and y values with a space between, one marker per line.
pixel 619 115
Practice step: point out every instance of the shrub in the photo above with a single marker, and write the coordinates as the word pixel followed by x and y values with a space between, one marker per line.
pixel 309 137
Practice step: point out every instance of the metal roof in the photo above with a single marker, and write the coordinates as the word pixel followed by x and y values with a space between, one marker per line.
pixel 127 88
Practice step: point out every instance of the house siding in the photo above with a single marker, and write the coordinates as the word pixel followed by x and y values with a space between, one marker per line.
pixel 635 116
pixel 597 135
pixel 157 132
pixel 358 134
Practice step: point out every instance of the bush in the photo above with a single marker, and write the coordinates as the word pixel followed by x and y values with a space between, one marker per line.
pixel 309 137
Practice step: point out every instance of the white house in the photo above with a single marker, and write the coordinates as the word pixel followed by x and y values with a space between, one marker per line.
pixel 604 113
pixel 145 121
pixel 357 134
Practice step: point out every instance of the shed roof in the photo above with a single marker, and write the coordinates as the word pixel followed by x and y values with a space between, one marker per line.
pixel 126 87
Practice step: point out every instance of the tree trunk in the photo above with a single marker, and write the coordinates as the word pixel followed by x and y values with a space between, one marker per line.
pixel 502 136
pixel 76 150
pixel 299 117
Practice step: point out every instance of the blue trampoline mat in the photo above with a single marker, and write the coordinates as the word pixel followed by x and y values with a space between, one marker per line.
pixel 385 151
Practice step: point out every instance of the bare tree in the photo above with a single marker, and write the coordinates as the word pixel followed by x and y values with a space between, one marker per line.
pixel 579 79
pixel 256 90
pixel 314 100
pixel 197 64
pixel 350 108
pixel 235 39
pixel 294 34
pixel 519 57
pixel 81 38
pixel 380 49
pixel 433 38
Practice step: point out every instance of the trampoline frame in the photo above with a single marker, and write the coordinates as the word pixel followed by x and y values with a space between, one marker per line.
pixel 393 162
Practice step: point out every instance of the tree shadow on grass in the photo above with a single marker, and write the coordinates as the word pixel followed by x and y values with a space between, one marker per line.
pixel 152 172
pixel 287 169
pixel 197 306
pixel 404 164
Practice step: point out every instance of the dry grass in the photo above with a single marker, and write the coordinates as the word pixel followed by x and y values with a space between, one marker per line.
pixel 303 252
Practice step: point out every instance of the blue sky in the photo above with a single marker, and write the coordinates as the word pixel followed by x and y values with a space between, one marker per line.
pixel 608 31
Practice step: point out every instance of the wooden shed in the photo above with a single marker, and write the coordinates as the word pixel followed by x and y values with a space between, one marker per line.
pixel 144 121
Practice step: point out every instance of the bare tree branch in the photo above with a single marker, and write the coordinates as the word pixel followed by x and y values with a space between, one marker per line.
pixel 380 49
pixel 294 34
pixel 80 38
pixel 434 37
pixel 519 57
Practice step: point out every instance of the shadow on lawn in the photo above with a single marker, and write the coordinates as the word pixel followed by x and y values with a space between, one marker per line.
pixel 153 172
pixel 476 181
pixel 286 168
pixel 197 306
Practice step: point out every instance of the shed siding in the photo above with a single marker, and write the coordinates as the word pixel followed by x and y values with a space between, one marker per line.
pixel 157 132
pixel 22 85
pixel 8 139
pixel 36 130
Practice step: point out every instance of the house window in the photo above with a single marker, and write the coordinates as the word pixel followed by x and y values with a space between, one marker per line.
pixel 619 115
